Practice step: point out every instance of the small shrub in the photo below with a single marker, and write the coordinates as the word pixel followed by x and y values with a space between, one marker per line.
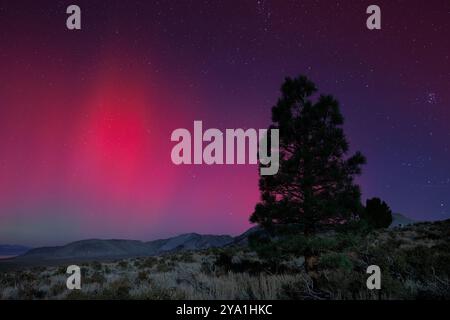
pixel 164 267
pixel 96 266
pixel 119 289
pixel 377 213
pixel 335 260
pixel 96 277
pixel 142 276
pixel 77 295
pixel 149 262
pixel 187 257
pixel 57 289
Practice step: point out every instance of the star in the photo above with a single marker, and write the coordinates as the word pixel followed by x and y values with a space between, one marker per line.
pixel 431 98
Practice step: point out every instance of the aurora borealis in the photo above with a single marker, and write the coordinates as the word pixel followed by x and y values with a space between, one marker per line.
pixel 86 115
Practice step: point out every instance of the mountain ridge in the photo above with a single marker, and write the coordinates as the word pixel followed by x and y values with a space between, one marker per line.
pixel 112 248
pixel 95 248
pixel 12 249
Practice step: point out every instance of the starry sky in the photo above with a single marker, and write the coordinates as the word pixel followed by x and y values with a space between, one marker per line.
pixel 86 116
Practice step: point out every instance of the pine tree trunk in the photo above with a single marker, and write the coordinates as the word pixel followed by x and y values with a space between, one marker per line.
pixel 311 261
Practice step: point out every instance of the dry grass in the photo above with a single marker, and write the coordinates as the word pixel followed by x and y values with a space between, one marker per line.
pixel 168 278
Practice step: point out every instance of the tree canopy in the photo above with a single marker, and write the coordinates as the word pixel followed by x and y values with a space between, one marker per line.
pixel 315 181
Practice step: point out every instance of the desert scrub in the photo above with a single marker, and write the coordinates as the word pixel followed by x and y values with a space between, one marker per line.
pixel 57 289
pixel 419 263
pixel 350 285
pixel 61 270
pixel 159 293
pixel 77 295
pixel 334 260
pixel 96 277
pixel 137 263
pixel 342 284
pixel 300 290
pixel 244 265
pixel 96 265
pixel 142 277
pixel 106 269
pixel 347 241
pixel 8 280
pixel 187 257
pixel 26 277
pixel 425 262
pixel 239 286
pixel 435 288
pixel 149 262
pixel 207 267
pixel 47 281
pixel 30 292
pixel 163 266
pixel 117 290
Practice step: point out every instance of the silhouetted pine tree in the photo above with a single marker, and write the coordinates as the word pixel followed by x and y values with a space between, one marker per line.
pixel 315 181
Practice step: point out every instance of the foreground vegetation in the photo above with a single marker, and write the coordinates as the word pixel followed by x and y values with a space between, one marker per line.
pixel 415 263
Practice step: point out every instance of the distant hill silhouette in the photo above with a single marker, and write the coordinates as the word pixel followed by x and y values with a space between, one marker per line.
pixel 96 249
pixel 12 250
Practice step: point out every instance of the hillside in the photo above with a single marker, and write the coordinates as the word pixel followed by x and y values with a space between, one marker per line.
pixel 12 250
pixel 414 261
pixel 399 220
pixel 110 249
pixel 104 249
pixel 97 249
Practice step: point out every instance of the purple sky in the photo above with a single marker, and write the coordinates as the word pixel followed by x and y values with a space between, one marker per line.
pixel 86 116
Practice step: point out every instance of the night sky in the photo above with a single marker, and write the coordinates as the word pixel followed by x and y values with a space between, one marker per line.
pixel 86 116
